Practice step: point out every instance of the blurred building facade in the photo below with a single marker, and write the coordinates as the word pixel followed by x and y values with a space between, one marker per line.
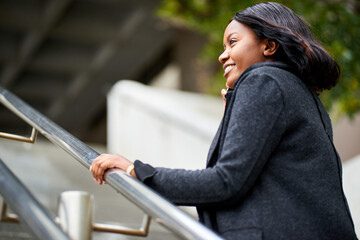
pixel 63 56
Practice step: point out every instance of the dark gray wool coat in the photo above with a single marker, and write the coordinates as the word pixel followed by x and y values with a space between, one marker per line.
pixel 272 170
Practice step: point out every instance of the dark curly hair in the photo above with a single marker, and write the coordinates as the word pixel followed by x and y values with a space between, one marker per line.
pixel 297 45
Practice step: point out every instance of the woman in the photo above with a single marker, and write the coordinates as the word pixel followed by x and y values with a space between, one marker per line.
pixel 272 170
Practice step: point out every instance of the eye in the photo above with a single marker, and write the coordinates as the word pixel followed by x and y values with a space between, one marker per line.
pixel 232 41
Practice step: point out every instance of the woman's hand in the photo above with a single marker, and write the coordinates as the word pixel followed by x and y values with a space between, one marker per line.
pixel 223 94
pixel 107 161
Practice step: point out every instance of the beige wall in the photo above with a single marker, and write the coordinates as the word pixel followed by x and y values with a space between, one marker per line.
pixel 347 137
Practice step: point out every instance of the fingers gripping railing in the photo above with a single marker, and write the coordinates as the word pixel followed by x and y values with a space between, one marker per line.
pixel 150 202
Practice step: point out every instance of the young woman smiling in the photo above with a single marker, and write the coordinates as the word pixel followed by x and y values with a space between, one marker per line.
pixel 272 170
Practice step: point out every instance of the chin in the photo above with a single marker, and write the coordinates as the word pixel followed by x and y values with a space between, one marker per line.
pixel 230 85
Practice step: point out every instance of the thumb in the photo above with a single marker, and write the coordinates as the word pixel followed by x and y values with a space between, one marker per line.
pixel 223 94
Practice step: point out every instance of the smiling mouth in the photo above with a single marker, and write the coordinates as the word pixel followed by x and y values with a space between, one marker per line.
pixel 228 69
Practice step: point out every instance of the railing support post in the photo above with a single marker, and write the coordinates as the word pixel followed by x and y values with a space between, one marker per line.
pixel 75 214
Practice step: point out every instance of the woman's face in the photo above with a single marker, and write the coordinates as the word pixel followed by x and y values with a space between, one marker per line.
pixel 242 49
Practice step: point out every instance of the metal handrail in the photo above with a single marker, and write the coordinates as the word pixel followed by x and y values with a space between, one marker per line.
pixel 149 201
pixel 29 210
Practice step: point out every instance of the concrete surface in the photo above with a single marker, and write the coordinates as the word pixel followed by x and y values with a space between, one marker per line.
pixel 47 171
pixel 351 182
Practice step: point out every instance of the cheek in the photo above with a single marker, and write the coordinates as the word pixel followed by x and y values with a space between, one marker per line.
pixel 242 58
pixel 240 66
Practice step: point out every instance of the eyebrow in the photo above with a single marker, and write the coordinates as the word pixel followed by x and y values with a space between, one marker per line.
pixel 231 35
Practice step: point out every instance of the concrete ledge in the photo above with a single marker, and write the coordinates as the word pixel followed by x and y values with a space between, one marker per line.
pixel 351 182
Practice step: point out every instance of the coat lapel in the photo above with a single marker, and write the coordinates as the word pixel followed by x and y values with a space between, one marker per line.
pixel 214 143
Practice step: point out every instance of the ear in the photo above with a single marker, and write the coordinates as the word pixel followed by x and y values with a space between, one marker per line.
pixel 271 47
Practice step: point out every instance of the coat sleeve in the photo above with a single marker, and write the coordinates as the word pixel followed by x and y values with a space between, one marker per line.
pixel 253 131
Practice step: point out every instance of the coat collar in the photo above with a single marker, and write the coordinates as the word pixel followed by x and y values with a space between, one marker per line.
pixel 214 147
pixel 281 65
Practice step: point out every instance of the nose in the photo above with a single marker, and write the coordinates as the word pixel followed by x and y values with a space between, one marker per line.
pixel 223 57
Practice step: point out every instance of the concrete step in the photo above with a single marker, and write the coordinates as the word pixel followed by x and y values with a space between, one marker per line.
pixel 47 171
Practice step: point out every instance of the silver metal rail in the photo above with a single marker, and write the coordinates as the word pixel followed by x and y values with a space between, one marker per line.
pixel 29 210
pixel 150 202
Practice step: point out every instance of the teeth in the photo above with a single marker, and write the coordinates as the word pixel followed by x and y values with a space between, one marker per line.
pixel 228 68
